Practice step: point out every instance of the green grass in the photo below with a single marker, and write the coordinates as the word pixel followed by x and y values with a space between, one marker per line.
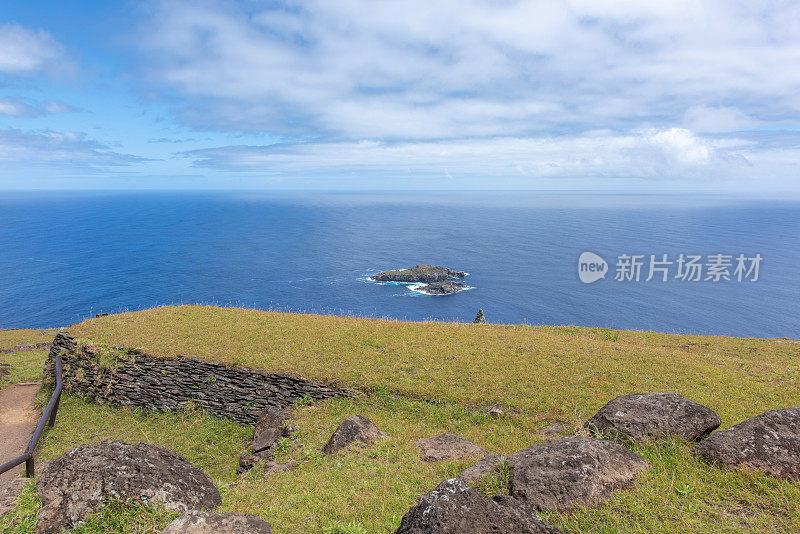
pixel 209 443
pixel 213 444
pixel 429 378
pixel 543 372
pixel 24 366
pixel 19 336
pixel 368 489
pixel 115 518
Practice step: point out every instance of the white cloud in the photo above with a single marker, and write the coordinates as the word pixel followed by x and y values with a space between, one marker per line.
pixel 647 153
pixel 26 51
pixel 717 119
pixel 15 107
pixel 681 146
pixel 56 151
pixel 356 69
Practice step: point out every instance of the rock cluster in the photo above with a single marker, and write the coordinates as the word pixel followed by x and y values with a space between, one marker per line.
pixel 427 274
pixel 480 317
pixel 81 481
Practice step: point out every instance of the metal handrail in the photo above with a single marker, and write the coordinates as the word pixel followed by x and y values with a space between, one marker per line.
pixel 49 415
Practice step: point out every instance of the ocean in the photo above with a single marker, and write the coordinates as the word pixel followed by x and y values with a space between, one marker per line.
pixel 67 256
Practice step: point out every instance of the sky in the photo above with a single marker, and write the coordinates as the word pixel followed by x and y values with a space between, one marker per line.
pixel 670 95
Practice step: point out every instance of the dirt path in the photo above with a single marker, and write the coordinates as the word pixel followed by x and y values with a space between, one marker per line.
pixel 18 418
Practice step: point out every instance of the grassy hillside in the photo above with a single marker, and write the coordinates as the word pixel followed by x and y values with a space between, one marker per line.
pixel 543 372
pixel 428 378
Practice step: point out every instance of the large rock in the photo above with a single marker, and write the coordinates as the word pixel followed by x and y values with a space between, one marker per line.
pixel 648 416
pixel 480 317
pixel 354 429
pixel 427 274
pixel 769 443
pixel 447 287
pixel 80 482
pixel 565 472
pixel 447 447
pixel 482 468
pixel 453 507
pixel 270 427
pixel 195 522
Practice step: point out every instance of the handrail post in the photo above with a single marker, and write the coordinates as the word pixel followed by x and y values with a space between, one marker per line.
pixel 49 417
pixel 52 420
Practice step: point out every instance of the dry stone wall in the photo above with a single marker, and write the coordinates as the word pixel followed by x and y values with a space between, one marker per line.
pixel 128 377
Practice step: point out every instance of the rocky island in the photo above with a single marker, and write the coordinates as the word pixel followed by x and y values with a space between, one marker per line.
pixel 448 287
pixel 426 274
pixel 437 279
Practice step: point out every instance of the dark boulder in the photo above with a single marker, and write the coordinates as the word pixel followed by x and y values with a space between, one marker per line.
pixel 195 522
pixel 81 481
pixel 565 472
pixel 480 318
pixel 648 416
pixel 354 429
pixel 427 274
pixel 447 447
pixel 769 443
pixel 453 507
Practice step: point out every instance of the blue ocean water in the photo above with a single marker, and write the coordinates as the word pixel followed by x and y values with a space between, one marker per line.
pixel 66 256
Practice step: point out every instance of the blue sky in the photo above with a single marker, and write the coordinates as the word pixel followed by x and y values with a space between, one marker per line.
pixel 356 94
